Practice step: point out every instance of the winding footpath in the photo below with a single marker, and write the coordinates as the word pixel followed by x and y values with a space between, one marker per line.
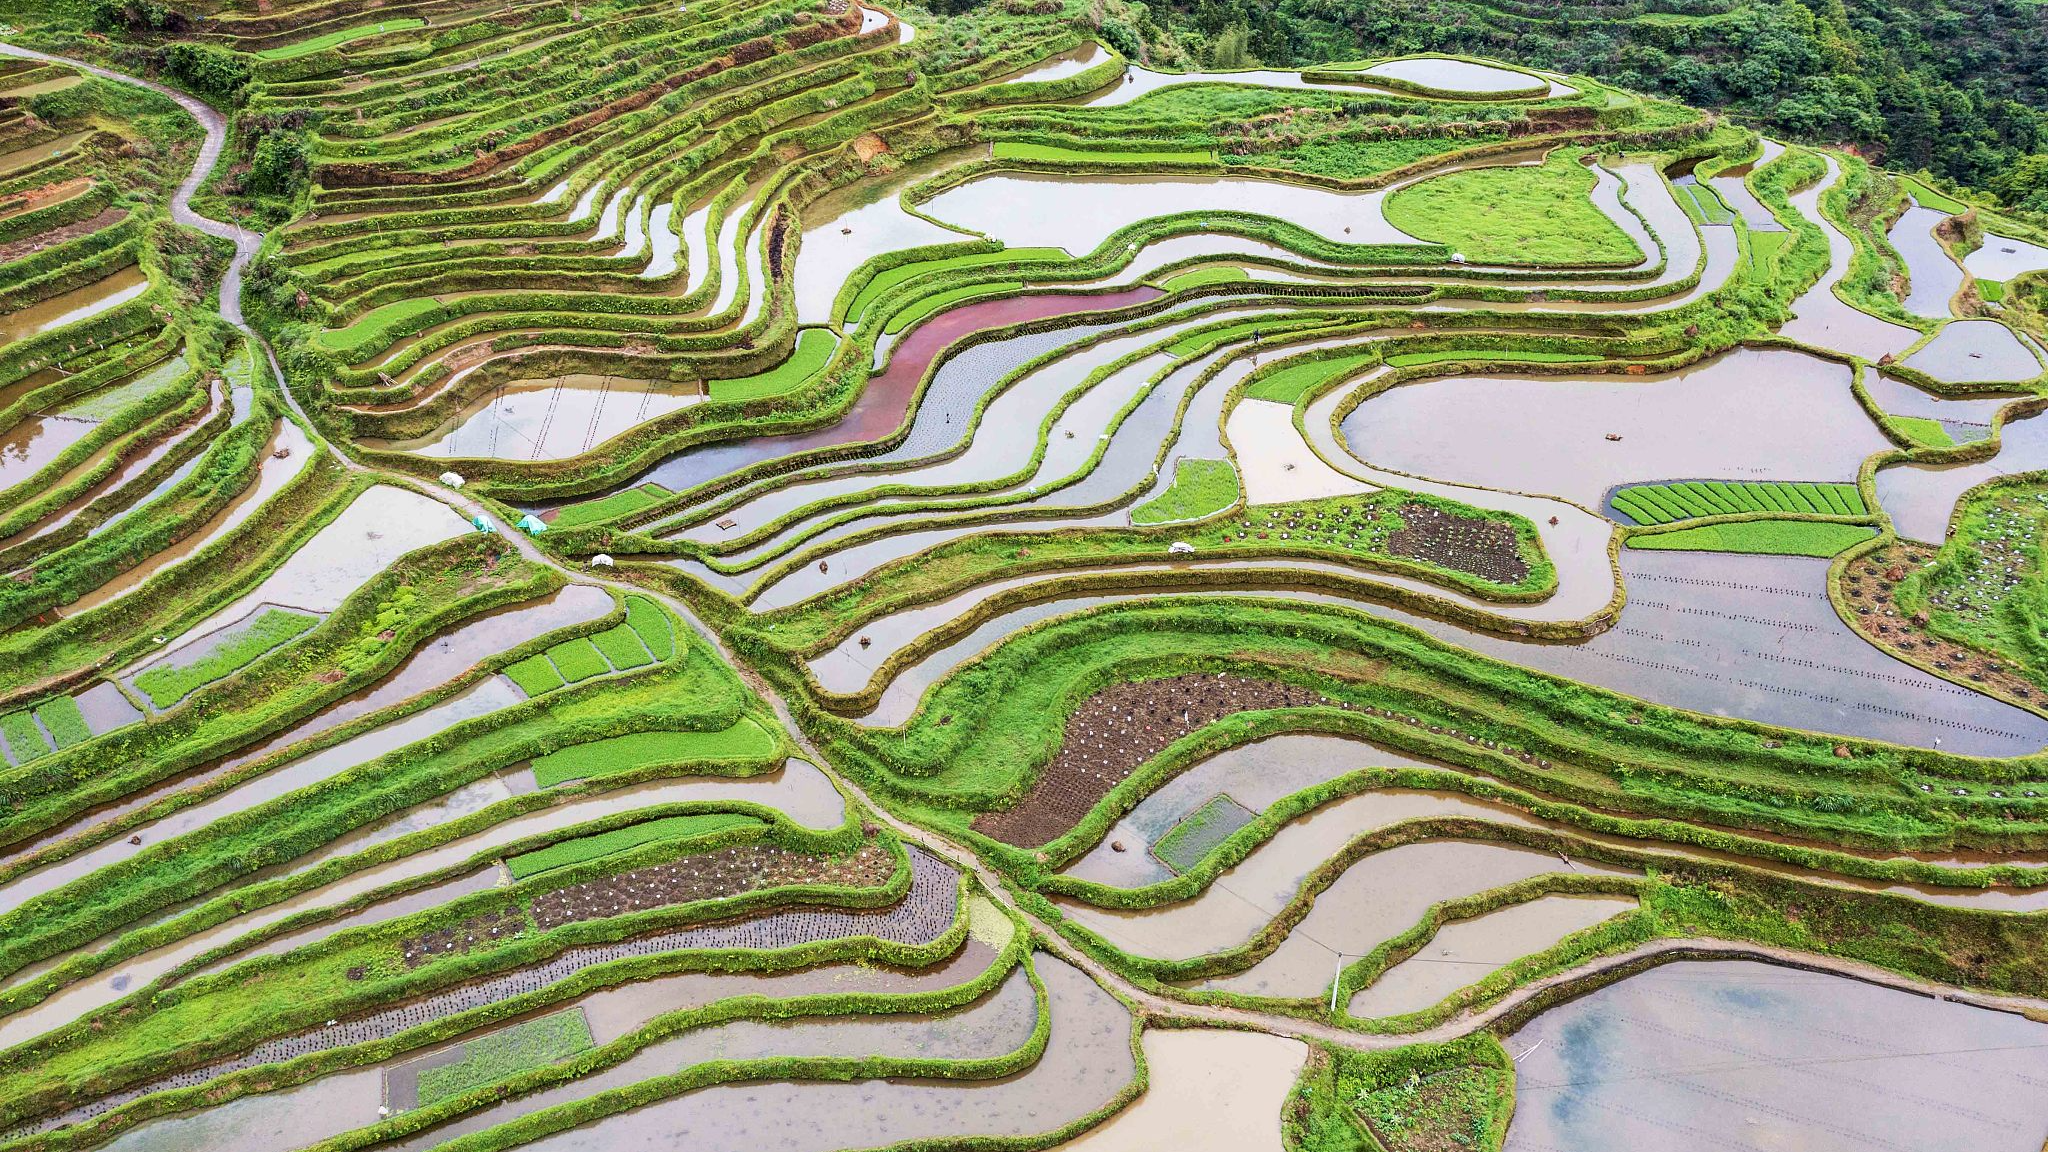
pixel 1580 979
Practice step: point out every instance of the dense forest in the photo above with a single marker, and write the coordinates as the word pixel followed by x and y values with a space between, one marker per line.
pixel 1958 87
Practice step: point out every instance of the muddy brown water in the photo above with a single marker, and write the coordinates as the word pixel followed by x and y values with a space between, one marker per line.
pixel 1697 1056
pixel 75 305
pixel 1976 352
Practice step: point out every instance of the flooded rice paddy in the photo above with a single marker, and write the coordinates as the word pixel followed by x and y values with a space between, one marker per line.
pixel 1578 437
pixel 1693 1056
pixel 1976 352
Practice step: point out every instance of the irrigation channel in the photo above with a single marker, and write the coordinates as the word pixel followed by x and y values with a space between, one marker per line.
pixel 1350 917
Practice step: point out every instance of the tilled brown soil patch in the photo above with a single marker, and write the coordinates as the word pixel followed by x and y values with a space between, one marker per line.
pixel 487 929
pixel 709 876
pixel 1115 731
pixel 1484 547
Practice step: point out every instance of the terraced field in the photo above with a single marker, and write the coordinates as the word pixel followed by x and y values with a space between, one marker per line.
pixel 811 576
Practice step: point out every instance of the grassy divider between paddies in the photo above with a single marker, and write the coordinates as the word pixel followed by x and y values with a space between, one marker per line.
pixel 1005 505
pixel 1631 754
pixel 75 648
pixel 320 991
pixel 1681 897
pixel 278 691
pixel 269 892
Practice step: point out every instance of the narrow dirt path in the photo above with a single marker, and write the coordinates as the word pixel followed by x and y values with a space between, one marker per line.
pixel 246 244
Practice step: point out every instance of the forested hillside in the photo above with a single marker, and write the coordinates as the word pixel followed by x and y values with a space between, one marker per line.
pixel 1958 87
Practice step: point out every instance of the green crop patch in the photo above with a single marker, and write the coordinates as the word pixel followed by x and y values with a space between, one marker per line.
pixel 1703 204
pixel 602 844
pixel 1772 537
pixel 1201 277
pixel 889 278
pixel 1922 431
pixel 166 684
pixel 337 39
pixel 1200 488
pixel 611 507
pixel 1201 832
pixel 622 647
pixel 1651 504
pixel 535 675
pixel 940 300
pixel 64 722
pixel 505 1053
pixel 1516 215
pixel 646 618
pixel 578 659
pixel 1012 150
pixel 1928 197
pixel 743 741
pixel 813 349
pixel 1293 381
pixel 25 741
pixel 375 328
